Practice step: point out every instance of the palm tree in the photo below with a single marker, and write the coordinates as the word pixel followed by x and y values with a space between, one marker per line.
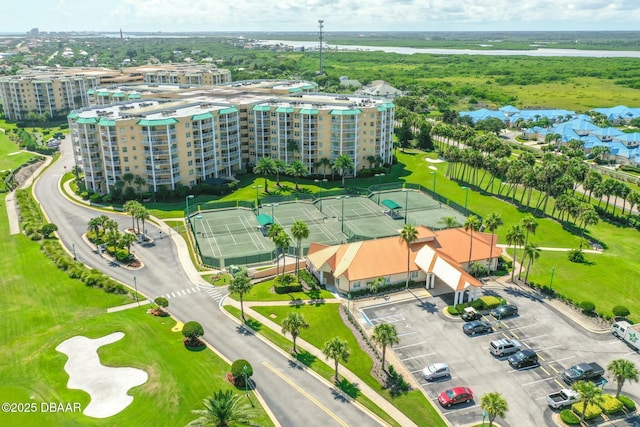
pixel 515 237
pixel 589 393
pixel 293 324
pixel 142 213
pixel 493 221
pixel 283 241
pixel 324 163
pixel 299 231
pixel 296 169
pixel 223 409
pixel 274 231
pixel 131 207
pixel 385 335
pixel 240 285
pixel 494 405
pixel 266 166
pixel 622 370
pixel 280 166
pixel 128 178
pixel 343 164
pixel 532 252
pixel 408 235
pixel 529 224
pixel 471 224
pixel 139 182
pixel 375 286
pixel 94 225
pixel 127 240
pixel 336 349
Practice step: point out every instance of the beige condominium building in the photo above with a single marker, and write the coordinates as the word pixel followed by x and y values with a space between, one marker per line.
pixel 56 91
pixel 190 136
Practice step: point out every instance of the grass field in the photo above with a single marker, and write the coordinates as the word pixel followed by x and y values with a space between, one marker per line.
pixel 10 156
pixel 325 323
pixel 43 307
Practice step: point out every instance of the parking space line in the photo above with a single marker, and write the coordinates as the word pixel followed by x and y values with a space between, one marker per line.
pixel 382 319
pixel 406 333
pixel 539 381
pixel 408 345
pixel 458 410
pixel 532 338
pixel 560 384
pixel 564 358
pixel 417 357
pixel 547 348
pixel 545 371
pixel 541 358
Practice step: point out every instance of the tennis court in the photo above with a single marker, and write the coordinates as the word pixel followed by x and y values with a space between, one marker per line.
pixel 362 216
pixel 420 208
pixel 322 228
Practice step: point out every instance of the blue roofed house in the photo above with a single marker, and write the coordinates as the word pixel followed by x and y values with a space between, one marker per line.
pixel 620 114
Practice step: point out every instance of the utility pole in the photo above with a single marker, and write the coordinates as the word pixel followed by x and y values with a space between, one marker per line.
pixel 321 24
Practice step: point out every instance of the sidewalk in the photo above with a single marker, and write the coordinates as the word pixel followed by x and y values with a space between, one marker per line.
pixel 367 391
pixel 10 199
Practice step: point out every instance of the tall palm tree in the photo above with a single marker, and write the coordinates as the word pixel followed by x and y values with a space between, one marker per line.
pixel 449 222
pixel 408 235
pixel 139 182
pixel 336 349
pixel 495 405
pixel 299 231
pixel 131 207
pixel 622 370
pixel 532 252
pixel 266 166
pixel 529 225
pixel 385 335
pixel 296 169
pixel 223 409
pixel 375 286
pixel 343 164
pixel 471 224
pixel 589 393
pixel 515 238
pixel 283 241
pixel 241 285
pixel 275 230
pixel 492 222
pixel 293 324
pixel 128 178
pixel 142 214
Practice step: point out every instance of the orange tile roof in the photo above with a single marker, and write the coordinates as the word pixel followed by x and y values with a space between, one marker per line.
pixel 454 242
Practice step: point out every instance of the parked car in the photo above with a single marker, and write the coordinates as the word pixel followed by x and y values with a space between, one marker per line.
pixel 583 371
pixel 470 314
pixel 563 398
pixel 454 396
pixel 435 371
pixel 503 311
pixel 504 347
pixel 523 358
pixel 477 327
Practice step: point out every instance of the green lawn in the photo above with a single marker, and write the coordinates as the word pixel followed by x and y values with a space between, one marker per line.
pixel 42 307
pixel 10 155
pixel 262 292
pixel 325 323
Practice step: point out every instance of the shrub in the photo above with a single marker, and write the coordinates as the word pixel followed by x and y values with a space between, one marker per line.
pixel 593 411
pixel 629 404
pixel 122 254
pixel 569 417
pixel 478 304
pixel 610 405
pixel 286 284
pixel 620 311
pixel 587 307
pixel 577 256
pixel 489 301
pixel 192 331
pixel 237 371
pixel 453 310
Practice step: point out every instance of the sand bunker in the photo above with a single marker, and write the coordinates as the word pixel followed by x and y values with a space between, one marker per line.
pixel 106 385
pixel 430 160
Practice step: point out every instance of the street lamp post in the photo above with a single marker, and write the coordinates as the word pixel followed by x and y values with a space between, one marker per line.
pixel 245 369
pixel 75 256
pixel 186 202
pixel 484 415
pixel 553 271
pixel 135 286
pixel 434 181
pixel 379 175
pixel 466 199
pixel 273 218
pixel 500 312
pixel 406 205
pixel 342 211
pixel 257 187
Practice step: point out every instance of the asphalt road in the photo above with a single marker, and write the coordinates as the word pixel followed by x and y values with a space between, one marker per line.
pixel 296 397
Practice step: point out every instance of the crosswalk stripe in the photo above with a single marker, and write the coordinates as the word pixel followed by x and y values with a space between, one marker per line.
pixel 189 290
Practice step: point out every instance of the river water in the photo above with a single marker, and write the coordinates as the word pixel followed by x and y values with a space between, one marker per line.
pixel 495 52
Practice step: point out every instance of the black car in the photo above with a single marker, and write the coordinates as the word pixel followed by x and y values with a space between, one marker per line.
pixel 523 359
pixel 504 311
pixel 477 327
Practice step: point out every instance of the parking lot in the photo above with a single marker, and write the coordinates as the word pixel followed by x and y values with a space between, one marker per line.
pixel 428 336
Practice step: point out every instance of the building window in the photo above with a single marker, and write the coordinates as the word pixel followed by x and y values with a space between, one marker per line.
pixel 126 169
pixel 356 285
pixel 189 154
pixel 124 149
pixel 414 274
pixel 186 125
pixel 125 158
pixel 190 162
pixel 188 135
pixel 188 144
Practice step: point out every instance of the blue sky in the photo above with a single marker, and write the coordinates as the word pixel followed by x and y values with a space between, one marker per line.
pixel 302 15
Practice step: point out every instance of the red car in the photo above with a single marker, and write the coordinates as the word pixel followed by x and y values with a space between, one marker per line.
pixel 455 395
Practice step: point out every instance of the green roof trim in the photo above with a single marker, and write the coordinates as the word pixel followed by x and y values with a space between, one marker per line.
pixel 134 96
pixel 119 94
pixel 202 116
pixel 106 122
pixel 103 93
pixel 391 204
pixel 390 105
pixel 308 111
pixel 91 92
pixel 308 87
pixel 346 112
pixel 261 108
pixel 284 110
pixel 228 110
pixel 295 90
pixel 264 219
pixel 72 115
pixel 157 122
pixel 86 120
pixel 381 108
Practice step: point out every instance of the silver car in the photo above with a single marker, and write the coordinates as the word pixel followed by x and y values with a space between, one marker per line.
pixel 435 371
